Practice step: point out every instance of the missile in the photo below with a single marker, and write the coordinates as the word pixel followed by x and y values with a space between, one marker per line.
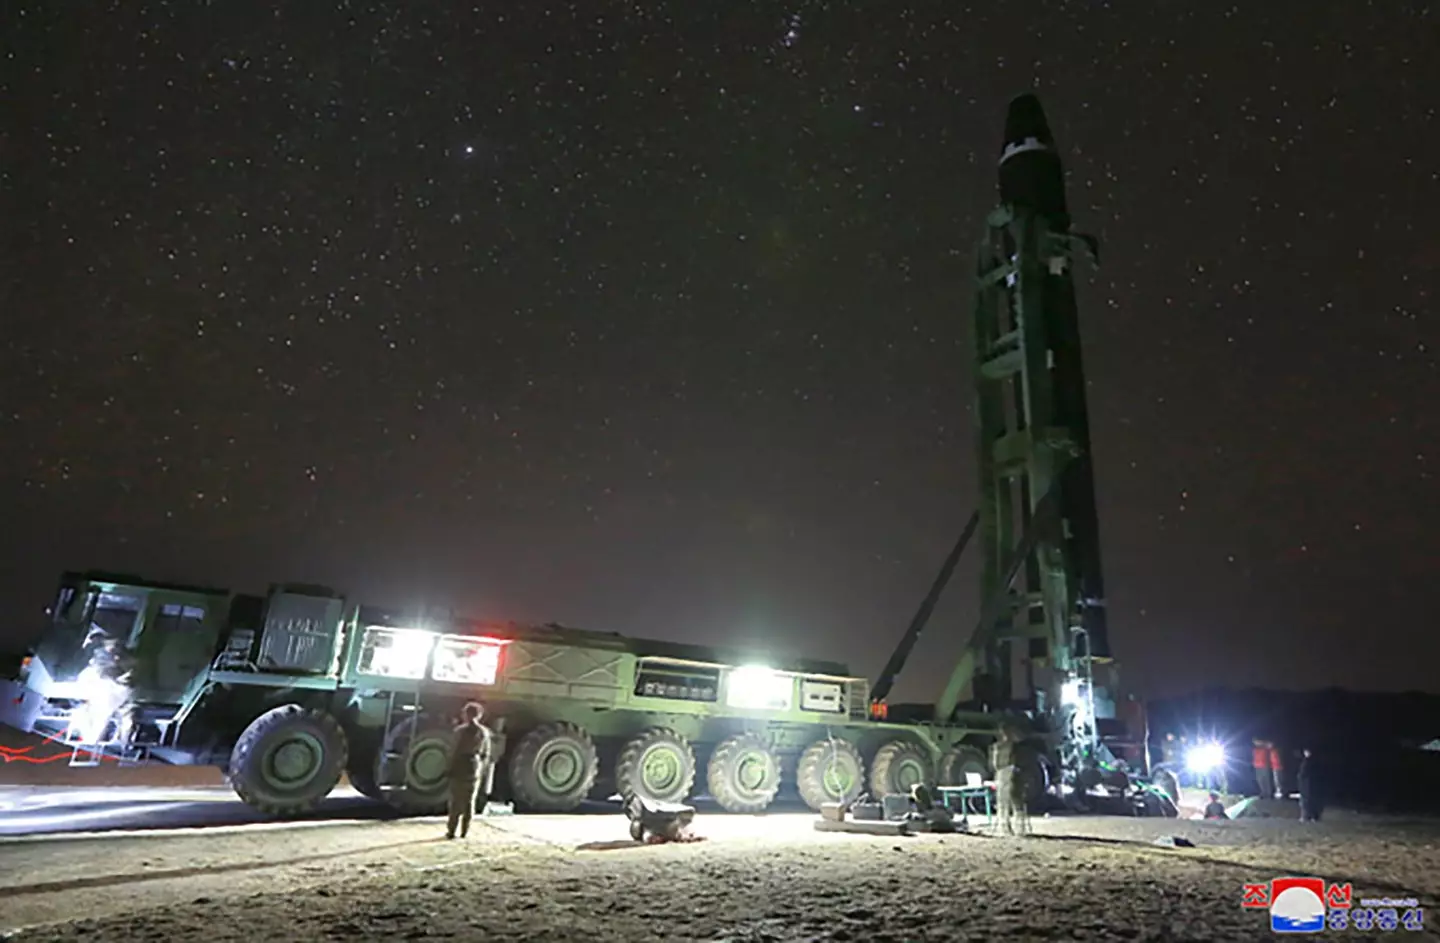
pixel 1031 174
pixel 1032 179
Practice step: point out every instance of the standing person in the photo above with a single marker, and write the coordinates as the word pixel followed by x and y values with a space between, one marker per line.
pixel 1277 769
pixel 1305 777
pixel 1002 760
pixel 468 759
pixel 1020 775
pixel 1264 775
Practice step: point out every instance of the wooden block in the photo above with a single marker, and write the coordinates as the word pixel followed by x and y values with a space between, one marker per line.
pixel 891 829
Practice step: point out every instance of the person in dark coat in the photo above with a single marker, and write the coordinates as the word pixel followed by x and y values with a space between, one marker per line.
pixel 1305 780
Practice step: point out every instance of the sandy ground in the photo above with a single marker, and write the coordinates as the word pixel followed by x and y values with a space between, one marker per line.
pixel 566 878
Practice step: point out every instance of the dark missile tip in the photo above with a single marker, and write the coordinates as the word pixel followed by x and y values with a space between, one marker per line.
pixel 1026 119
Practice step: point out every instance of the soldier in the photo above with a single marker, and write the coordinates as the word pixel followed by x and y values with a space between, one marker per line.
pixel 1009 783
pixel 468 761
pixel 1021 771
pixel 1311 801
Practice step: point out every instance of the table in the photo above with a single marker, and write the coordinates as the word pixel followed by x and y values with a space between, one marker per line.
pixel 984 791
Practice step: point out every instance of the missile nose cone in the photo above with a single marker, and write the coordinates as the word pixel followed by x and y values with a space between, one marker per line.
pixel 1030 172
pixel 1025 120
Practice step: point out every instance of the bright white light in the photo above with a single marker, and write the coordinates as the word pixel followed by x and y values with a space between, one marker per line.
pixel 1205 757
pixel 396 653
pixel 100 698
pixel 759 688
pixel 1070 694
pixel 467 660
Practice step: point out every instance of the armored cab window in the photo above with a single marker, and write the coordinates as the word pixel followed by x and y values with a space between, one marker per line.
pixel 116 616
pixel 67 598
pixel 174 617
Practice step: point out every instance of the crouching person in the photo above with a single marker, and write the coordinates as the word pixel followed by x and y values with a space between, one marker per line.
pixel 469 760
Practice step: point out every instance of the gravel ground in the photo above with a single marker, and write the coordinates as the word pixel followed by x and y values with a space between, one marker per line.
pixel 576 878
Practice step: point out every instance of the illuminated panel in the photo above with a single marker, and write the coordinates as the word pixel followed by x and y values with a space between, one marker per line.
pixel 824 696
pixel 395 653
pixel 678 682
pixel 758 688
pixel 467 660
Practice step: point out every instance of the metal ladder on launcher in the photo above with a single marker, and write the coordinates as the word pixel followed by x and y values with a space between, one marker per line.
pixel 392 706
pixel 90 755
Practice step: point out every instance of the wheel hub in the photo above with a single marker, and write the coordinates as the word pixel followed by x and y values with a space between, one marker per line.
pixel 428 764
pixel 908 773
pixel 660 770
pixel 559 767
pixel 752 772
pixel 294 762
pixel 839 777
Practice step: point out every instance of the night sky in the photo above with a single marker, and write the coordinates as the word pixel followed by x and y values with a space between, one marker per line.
pixel 654 317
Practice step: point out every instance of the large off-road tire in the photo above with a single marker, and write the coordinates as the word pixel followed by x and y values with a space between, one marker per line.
pixel 361 774
pixel 1155 804
pixel 960 760
pixel 657 765
pixel 553 768
pixel 422 749
pixel 743 774
pixel 899 765
pixel 360 768
pixel 288 760
pixel 1038 777
pixel 830 771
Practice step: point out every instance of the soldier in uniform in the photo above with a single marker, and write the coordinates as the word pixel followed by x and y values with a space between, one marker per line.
pixel 468 761
pixel 1311 800
pixel 1020 784
pixel 1009 783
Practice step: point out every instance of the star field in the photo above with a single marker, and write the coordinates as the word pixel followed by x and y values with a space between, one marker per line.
pixel 654 317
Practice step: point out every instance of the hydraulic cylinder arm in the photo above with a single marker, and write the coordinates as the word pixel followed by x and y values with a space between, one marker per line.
pixel 893 667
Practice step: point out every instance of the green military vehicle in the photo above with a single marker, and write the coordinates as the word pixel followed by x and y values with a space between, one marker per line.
pixel 288 692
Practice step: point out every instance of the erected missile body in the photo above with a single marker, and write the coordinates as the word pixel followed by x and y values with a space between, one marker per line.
pixel 1032 179
pixel 1041 579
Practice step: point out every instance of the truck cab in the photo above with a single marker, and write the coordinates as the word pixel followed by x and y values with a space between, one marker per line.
pixel 115 645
